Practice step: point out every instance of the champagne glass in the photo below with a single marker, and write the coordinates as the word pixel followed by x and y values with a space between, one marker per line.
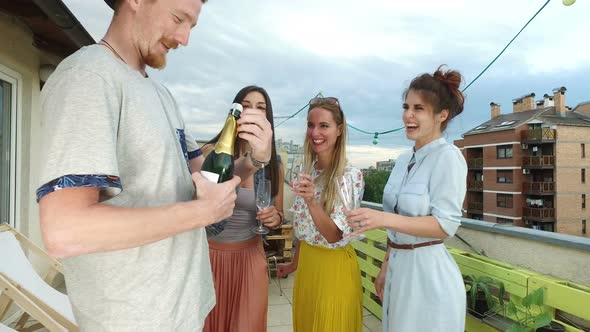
pixel 294 177
pixel 346 192
pixel 263 193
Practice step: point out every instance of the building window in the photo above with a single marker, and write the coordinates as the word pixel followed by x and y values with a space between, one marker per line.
pixel 583 201
pixel 504 176
pixel 503 220
pixel 583 174
pixel 583 146
pixel 504 151
pixel 504 200
pixel 6 148
pixel 583 226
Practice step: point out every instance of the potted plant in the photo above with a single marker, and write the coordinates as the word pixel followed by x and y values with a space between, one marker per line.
pixel 479 294
pixel 529 320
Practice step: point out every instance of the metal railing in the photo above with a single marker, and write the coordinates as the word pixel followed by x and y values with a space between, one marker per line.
pixel 539 161
pixel 475 185
pixel 475 163
pixel 539 187
pixel 539 213
pixel 475 206
pixel 538 135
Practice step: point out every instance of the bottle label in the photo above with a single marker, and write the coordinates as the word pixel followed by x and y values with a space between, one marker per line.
pixel 213 177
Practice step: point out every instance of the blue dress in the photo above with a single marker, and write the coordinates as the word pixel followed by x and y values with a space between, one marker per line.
pixel 424 289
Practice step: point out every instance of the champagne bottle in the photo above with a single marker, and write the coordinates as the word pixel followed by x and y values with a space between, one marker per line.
pixel 219 165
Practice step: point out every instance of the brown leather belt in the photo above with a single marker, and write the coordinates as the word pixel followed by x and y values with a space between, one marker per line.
pixel 412 246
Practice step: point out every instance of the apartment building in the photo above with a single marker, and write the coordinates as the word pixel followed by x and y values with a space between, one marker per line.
pixel 528 167
pixel 386 165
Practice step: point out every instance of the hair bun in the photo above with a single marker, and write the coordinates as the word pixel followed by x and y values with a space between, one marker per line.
pixel 451 78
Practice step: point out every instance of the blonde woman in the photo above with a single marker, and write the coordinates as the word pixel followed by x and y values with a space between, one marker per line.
pixel 327 293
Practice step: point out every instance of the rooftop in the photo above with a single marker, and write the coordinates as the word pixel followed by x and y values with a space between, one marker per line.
pixel 546 115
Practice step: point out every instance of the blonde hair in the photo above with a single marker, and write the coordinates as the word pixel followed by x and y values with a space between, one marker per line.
pixel 336 167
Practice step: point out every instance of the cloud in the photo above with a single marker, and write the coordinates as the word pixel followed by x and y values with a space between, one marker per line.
pixel 366 53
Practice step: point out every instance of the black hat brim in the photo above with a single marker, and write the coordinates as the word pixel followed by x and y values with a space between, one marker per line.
pixel 111 3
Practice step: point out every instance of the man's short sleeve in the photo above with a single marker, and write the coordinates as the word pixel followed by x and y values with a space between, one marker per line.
pixel 193 148
pixel 79 122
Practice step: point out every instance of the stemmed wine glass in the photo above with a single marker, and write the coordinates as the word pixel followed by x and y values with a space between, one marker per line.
pixel 263 192
pixel 294 176
pixel 346 191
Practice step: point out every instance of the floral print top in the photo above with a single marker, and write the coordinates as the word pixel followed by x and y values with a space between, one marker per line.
pixel 303 224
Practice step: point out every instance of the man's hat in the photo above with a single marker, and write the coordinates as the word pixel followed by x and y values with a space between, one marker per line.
pixel 111 3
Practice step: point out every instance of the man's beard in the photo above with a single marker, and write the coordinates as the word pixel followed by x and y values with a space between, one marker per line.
pixel 158 61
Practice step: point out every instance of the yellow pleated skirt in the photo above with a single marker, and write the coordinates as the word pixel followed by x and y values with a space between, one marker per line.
pixel 327 295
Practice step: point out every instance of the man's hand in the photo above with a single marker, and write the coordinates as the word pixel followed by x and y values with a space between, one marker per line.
pixel 221 197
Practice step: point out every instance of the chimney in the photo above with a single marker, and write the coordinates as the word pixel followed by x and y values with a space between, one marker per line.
pixel 559 100
pixel 495 109
pixel 528 102
pixel 516 105
pixel 524 103
pixel 540 104
pixel 548 100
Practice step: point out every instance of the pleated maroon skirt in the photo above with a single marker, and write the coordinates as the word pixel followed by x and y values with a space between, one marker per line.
pixel 241 287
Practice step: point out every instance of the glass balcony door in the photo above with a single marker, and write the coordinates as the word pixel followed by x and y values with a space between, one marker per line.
pixel 7 152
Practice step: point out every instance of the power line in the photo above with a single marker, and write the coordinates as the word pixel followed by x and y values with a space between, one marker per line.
pixel 376 133
pixel 504 49
pixel 301 109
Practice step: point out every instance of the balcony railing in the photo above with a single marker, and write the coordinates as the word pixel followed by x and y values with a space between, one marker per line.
pixel 475 206
pixel 539 213
pixel 538 135
pixel 475 163
pixel 565 281
pixel 539 187
pixel 538 162
pixel 475 185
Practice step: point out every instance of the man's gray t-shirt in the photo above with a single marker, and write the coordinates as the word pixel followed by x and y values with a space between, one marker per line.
pixel 105 125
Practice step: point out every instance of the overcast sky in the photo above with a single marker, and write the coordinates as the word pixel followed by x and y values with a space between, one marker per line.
pixel 365 53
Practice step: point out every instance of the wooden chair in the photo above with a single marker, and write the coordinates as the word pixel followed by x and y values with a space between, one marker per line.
pixel 283 254
pixel 20 284
pixel 4 328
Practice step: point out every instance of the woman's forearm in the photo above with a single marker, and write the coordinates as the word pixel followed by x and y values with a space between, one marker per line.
pixel 323 223
pixel 425 226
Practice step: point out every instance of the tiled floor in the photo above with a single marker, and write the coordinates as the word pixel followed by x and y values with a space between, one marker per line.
pixel 279 308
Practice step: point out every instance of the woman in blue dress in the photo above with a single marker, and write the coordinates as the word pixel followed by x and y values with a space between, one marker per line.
pixel 420 284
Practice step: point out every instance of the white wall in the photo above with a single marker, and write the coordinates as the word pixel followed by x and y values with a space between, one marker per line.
pixel 18 54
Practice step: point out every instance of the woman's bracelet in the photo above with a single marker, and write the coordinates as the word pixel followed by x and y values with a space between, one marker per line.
pixel 281 219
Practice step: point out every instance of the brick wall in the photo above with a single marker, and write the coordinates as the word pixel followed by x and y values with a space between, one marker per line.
pixel 509 135
pixel 569 186
pixel 572 228
pixel 489 205
pixel 490 181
